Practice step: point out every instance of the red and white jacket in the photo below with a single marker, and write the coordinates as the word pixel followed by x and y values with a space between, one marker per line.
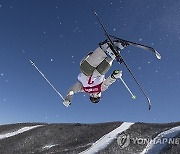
pixel 91 84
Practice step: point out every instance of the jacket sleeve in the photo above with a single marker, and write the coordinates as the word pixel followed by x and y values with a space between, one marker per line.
pixel 107 82
pixel 77 87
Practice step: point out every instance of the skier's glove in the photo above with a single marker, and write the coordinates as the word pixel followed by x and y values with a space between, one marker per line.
pixel 116 74
pixel 67 103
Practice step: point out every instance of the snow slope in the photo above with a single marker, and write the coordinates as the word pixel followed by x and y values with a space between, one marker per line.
pixel 107 139
pixel 22 130
pixel 161 140
pixel 88 138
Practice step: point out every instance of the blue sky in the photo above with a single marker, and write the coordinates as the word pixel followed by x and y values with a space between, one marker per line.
pixel 57 34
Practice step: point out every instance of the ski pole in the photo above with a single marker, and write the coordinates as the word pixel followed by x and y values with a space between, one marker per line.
pixel 148 100
pixel 33 64
pixel 133 96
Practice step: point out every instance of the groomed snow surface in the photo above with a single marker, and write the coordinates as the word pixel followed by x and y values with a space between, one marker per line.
pixel 104 141
pixel 161 140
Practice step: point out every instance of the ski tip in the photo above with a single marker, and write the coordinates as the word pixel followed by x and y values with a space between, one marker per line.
pixel 149 103
pixel 95 12
pixel 158 56
pixel 31 62
pixel 149 107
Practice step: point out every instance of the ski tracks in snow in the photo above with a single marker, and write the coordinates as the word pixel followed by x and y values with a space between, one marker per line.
pixel 104 141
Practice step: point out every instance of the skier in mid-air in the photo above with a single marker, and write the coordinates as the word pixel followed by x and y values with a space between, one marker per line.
pixel 93 67
pixel 96 64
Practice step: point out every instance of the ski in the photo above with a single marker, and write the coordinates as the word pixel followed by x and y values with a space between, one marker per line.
pixel 120 59
pixel 157 54
pixel 112 46
pixel 33 64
